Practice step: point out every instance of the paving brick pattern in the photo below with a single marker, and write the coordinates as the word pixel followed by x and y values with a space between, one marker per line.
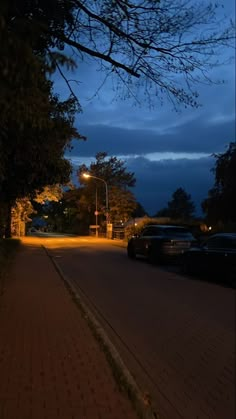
pixel 51 366
pixel 182 331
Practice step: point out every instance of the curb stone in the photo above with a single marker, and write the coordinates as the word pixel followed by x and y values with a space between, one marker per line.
pixel 121 374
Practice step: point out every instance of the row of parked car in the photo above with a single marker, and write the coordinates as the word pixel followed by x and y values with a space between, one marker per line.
pixel 216 256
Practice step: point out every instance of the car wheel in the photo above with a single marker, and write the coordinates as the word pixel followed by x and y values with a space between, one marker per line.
pixel 131 252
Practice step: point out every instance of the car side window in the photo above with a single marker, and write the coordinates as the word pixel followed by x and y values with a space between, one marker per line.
pixel 152 231
pixel 157 232
pixel 145 232
pixel 218 243
pixel 227 243
pixel 213 243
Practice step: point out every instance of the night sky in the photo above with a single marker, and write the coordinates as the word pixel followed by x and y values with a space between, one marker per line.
pixel 164 148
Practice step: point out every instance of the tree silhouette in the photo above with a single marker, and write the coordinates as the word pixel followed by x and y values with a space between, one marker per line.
pixel 112 170
pixel 221 202
pixel 179 207
pixel 149 41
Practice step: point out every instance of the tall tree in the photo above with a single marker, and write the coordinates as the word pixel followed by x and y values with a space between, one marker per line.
pixel 148 41
pixel 122 204
pixel 112 170
pixel 35 126
pixel 221 202
pixel 179 207
pixel 35 132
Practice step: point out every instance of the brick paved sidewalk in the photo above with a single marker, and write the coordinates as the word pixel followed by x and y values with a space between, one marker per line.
pixel 51 366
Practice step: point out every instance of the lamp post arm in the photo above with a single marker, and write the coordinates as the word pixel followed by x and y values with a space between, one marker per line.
pixel 99 178
pixel 106 186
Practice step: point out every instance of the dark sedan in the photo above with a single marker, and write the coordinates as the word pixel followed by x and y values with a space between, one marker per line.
pixel 160 242
pixel 216 256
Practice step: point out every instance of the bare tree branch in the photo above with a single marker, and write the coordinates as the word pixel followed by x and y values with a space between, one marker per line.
pixel 97 54
pixel 157 42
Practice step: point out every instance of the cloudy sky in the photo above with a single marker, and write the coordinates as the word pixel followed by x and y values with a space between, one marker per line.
pixel 164 148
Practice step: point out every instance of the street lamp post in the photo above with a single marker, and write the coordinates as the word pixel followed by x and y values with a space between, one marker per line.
pixel 87 176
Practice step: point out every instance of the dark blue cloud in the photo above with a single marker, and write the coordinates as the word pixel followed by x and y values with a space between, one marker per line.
pixel 197 136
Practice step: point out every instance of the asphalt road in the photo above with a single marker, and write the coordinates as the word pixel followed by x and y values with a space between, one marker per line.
pixel 176 334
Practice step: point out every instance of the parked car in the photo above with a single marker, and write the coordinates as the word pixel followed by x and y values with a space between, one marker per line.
pixel 160 242
pixel 216 256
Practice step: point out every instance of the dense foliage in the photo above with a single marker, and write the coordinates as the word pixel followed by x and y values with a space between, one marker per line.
pixel 180 207
pixel 35 126
pixel 220 206
pixel 112 170
pixel 75 211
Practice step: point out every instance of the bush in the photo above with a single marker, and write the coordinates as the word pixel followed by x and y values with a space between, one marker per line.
pixel 136 228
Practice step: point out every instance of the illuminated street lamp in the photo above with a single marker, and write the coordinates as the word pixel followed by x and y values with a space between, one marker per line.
pixel 87 176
